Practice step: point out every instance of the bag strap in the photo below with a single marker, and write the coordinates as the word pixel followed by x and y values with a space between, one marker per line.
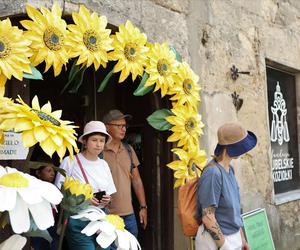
pixel 82 170
pixel 129 150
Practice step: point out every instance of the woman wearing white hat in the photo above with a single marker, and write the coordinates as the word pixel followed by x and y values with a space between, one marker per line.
pixel 218 193
pixel 87 167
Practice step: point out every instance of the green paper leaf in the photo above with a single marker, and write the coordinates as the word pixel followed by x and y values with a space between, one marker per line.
pixel 74 73
pixel 78 79
pixel 178 56
pixel 157 119
pixel 105 81
pixel 142 89
pixel 36 75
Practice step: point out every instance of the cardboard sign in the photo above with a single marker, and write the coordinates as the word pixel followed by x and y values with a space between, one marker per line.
pixel 257 230
pixel 12 148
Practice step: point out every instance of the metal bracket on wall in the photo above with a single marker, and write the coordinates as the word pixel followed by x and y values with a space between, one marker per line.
pixel 235 73
pixel 237 101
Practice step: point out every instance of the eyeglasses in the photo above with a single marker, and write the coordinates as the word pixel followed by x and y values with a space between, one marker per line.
pixel 119 126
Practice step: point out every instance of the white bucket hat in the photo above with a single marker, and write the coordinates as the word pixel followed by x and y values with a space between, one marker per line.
pixel 94 127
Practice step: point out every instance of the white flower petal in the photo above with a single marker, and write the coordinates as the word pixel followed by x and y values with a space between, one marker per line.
pixel 12 170
pixel 134 244
pixel 91 228
pixel 90 214
pixel 19 216
pixel 105 240
pixel 107 227
pixel 15 242
pixel 122 240
pixel 51 193
pixel 2 171
pixel 42 214
pixel 30 195
pixel 8 198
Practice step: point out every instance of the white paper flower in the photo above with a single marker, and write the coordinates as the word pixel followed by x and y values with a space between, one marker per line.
pixel 21 194
pixel 15 242
pixel 111 228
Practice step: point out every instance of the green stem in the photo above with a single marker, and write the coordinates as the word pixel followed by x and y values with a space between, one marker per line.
pixel 63 229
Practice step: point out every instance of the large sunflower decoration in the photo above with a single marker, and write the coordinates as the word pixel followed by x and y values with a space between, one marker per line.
pixel 162 68
pixel 130 51
pixel 39 125
pixel 48 33
pixel 89 39
pixel 186 89
pixel 189 165
pixel 14 53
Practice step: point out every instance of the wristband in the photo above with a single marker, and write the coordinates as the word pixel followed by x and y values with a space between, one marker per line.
pixel 143 207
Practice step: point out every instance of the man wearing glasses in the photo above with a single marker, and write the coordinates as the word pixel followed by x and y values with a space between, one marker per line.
pixel 124 163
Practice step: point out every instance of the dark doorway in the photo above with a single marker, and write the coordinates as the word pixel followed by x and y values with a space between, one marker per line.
pixel 151 146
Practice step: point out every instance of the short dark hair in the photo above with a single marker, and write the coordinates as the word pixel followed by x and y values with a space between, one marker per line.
pixel 86 137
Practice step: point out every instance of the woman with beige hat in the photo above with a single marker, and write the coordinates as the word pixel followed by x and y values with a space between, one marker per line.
pixel 218 203
pixel 89 168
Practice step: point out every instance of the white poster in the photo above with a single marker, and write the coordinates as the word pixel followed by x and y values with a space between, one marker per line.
pixel 12 148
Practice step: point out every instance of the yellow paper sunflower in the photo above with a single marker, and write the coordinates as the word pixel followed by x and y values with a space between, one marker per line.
pixel 187 126
pixel 14 53
pixel 130 51
pixel 162 68
pixel 48 33
pixel 186 89
pixel 89 38
pixel 39 125
pixel 189 165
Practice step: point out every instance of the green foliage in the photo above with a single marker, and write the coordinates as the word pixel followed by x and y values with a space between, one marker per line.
pixel 157 119
pixel 178 56
pixel 142 89
pixel 36 75
pixel 75 78
pixel 105 81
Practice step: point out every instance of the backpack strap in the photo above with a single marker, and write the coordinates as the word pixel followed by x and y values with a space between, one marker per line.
pixel 129 150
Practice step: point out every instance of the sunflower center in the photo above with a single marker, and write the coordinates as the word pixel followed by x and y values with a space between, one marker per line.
pixel 162 67
pixel 45 117
pixel 90 40
pixel 5 49
pixel 15 180
pixel 130 51
pixel 53 39
pixel 190 125
pixel 116 220
pixel 187 86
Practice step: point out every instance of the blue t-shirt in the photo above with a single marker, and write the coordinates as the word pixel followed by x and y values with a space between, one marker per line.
pixel 219 189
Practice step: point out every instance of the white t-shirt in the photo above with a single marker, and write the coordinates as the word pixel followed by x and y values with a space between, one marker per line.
pixel 97 172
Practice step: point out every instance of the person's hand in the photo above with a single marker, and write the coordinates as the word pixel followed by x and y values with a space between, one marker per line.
pixel 245 245
pixel 143 217
pixel 94 202
pixel 105 200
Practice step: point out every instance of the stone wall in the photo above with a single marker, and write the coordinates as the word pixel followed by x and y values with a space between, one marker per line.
pixel 212 35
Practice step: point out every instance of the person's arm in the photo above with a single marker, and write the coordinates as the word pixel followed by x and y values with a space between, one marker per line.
pixel 138 188
pixel 211 225
pixel 245 245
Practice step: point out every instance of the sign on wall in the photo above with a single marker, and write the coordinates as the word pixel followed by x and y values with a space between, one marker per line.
pixel 12 148
pixel 257 230
pixel 283 130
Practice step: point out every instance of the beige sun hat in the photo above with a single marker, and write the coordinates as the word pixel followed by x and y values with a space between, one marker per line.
pixel 235 139
pixel 94 127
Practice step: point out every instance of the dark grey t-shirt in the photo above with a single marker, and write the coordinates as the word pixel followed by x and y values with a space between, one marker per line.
pixel 219 189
